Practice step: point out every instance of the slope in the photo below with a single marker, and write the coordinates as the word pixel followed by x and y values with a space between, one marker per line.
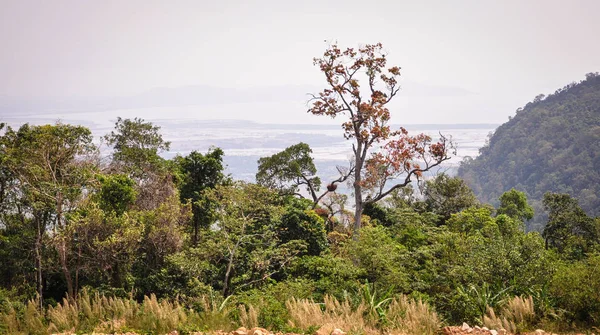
pixel 552 144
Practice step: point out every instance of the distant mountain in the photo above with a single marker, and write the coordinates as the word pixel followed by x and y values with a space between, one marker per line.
pixel 552 144
pixel 198 95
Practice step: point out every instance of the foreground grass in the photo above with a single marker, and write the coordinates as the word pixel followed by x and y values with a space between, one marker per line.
pixel 100 314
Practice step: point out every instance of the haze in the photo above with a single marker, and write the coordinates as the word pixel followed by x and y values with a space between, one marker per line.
pixel 462 61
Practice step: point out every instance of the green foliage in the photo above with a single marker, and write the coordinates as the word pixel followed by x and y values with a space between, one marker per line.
pixel 175 245
pixel 136 145
pixel 576 289
pixel 569 229
pixel 106 245
pixel 446 195
pixel 376 303
pixel 514 204
pixel 50 165
pixel 478 299
pixel 269 301
pixel 246 237
pixel 330 274
pixel 286 171
pixel 50 162
pixel 551 145
pixel 304 225
pixel 117 193
pixel 472 220
pixel 381 257
pixel 199 173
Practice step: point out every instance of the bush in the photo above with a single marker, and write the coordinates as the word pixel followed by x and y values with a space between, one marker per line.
pixel 329 274
pixel 266 306
pixel 576 288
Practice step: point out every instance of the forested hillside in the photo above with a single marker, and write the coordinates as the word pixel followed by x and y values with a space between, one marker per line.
pixel 551 145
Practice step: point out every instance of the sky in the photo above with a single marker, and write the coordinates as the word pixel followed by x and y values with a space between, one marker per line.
pixel 462 61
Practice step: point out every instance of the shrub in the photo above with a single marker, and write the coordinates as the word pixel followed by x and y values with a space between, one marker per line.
pixel 576 288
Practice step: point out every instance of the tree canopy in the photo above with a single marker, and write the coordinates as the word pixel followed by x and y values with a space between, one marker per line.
pixel 550 145
pixel 289 170
pixel 359 86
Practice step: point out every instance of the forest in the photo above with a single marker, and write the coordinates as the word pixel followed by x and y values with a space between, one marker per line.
pixel 551 144
pixel 134 242
pixel 140 229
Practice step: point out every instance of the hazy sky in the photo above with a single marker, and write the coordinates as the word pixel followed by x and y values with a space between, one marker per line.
pixel 462 61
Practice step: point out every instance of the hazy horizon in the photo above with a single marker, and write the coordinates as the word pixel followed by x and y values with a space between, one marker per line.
pixel 462 62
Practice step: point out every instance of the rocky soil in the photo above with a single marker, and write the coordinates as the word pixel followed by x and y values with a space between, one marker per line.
pixel 465 329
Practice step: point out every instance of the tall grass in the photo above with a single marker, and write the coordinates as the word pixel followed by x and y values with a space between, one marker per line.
pixel 306 314
pixel 409 316
pixel 401 316
pixel 29 323
pixel 216 312
pixel 96 313
pixel 248 316
pixel 517 315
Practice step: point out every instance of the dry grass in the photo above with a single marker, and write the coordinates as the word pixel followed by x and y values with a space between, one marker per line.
pixel 402 316
pixel 306 314
pixel 108 315
pixel 216 313
pixel 100 314
pixel 31 322
pixel 248 317
pixel 408 316
pixel 159 317
pixel 517 315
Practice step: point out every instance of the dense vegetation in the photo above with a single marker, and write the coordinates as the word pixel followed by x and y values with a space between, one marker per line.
pixel 551 145
pixel 137 242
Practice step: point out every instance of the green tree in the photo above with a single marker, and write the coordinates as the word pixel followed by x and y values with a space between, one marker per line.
pixel 569 229
pixel 246 235
pixel 288 170
pixel 136 145
pixel 105 244
pixel 474 219
pixel 382 258
pixel 163 236
pixel 200 172
pixel 576 288
pixel 116 194
pixel 303 225
pixel 514 204
pixel 445 195
pixel 52 164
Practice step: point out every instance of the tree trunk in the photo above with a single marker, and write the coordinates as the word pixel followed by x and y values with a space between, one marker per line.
pixel 78 267
pixel 38 263
pixel 228 273
pixel 62 255
pixel 62 247
pixel 358 201
pixel 196 223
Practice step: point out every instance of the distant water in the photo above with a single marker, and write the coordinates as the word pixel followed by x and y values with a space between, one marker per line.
pixel 244 142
